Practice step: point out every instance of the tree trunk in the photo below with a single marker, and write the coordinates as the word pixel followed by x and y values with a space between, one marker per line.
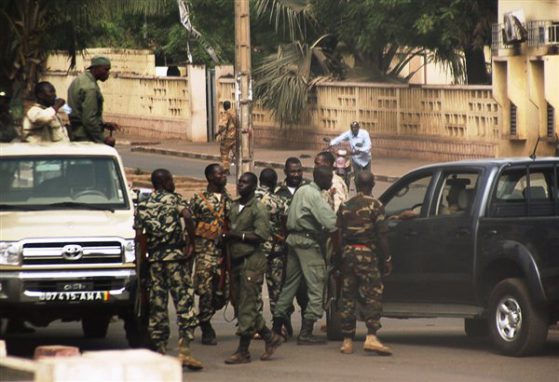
pixel 476 71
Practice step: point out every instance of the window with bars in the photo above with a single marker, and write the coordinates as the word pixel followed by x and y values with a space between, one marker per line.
pixel 550 121
pixel 513 119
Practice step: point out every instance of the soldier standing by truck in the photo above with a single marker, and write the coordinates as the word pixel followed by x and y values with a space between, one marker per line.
pixel 364 259
pixel 159 219
pixel 208 212
pixel 249 229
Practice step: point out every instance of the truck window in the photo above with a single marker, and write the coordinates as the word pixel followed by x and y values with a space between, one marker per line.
pixel 39 183
pixel 525 191
pixel 456 194
pixel 409 195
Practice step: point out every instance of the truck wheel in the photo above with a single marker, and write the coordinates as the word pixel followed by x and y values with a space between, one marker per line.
pixel 95 326
pixel 517 326
pixel 136 330
pixel 476 327
pixel 333 318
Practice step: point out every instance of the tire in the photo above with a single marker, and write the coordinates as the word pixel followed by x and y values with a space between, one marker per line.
pixel 476 327
pixel 95 326
pixel 333 318
pixel 136 330
pixel 517 326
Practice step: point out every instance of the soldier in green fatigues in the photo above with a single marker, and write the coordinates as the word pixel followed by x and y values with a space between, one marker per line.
pixel 208 210
pixel 273 247
pixel 364 260
pixel 159 219
pixel 86 101
pixel 293 171
pixel 308 222
pixel 249 230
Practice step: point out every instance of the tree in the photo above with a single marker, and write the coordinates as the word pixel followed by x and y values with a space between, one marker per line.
pixel 35 27
pixel 381 36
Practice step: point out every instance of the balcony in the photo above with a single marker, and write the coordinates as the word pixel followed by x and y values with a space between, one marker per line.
pixel 543 33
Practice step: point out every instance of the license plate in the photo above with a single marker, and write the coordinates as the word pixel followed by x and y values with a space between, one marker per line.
pixel 74 286
pixel 74 296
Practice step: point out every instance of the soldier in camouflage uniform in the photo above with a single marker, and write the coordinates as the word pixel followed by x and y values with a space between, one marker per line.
pixel 293 171
pixel 159 219
pixel 227 133
pixel 364 260
pixel 273 248
pixel 208 211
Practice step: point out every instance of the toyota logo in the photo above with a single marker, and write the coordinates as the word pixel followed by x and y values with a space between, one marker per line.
pixel 72 252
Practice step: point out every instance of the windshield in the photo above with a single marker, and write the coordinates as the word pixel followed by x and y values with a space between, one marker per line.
pixel 61 183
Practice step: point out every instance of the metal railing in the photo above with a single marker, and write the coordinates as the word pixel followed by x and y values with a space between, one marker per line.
pixel 543 33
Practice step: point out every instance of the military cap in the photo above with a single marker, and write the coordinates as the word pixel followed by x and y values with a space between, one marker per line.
pixel 99 61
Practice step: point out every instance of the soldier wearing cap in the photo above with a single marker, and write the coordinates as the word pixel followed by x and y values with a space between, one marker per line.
pixel 86 101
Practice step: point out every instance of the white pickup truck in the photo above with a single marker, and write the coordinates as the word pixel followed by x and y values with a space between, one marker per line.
pixel 66 236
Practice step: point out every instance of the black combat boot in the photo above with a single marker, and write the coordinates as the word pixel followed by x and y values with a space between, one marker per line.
pixel 242 354
pixel 277 325
pixel 272 341
pixel 306 337
pixel 288 327
pixel 208 333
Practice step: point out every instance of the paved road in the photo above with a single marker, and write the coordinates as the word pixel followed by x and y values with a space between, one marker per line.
pixel 424 350
pixel 190 167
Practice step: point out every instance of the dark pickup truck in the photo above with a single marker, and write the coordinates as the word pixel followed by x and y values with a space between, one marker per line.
pixel 478 240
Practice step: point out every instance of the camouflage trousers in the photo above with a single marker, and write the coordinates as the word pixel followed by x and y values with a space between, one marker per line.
pixel 361 290
pixel 207 273
pixel 173 277
pixel 274 279
pixel 226 146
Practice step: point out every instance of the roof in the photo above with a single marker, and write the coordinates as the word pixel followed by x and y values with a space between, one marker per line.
pixel 490 162
pixel 66 148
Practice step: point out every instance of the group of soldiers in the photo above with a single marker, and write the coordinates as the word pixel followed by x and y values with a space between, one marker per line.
pixel 286 234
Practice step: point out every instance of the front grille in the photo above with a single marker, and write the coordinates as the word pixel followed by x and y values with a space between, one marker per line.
pixel 82 252
pixel 86 284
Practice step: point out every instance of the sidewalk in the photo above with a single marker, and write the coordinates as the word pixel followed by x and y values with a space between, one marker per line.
pixel 385 169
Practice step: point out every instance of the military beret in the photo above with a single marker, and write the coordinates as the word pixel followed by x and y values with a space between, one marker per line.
pixel 100 61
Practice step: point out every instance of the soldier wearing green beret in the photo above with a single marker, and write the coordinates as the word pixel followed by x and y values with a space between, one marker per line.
pixel 86 101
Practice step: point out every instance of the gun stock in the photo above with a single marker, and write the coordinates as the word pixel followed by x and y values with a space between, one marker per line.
pixel 141 303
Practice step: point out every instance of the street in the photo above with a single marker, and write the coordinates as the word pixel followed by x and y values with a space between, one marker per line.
pixel 424 350
pixel 194 167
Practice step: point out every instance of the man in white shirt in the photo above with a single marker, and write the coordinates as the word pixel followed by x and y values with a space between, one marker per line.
pixel 360 143
pixel 42 122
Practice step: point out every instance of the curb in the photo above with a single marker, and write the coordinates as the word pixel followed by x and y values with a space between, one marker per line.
pixel 259 163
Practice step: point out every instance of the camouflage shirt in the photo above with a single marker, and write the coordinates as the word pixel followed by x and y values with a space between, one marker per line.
pixel 283 192
pixel 158 217
pixel 277 209
pixel 360 220
pixel 207 205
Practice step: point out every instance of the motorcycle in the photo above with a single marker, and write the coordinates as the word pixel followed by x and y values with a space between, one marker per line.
pixel 342 164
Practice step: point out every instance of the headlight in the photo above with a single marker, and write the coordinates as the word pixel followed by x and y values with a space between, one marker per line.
pixel 129 251
pixel 9 253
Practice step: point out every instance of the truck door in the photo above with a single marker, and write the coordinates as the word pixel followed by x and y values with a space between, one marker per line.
pixel 448 265
pixel 406 210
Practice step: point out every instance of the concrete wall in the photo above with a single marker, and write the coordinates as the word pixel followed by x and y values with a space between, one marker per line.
pixel 427 122
pixel 154 107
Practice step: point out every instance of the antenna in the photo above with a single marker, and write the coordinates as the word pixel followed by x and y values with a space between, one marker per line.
pixel 533 156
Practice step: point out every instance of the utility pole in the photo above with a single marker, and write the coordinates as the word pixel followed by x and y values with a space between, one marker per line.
pixel 243 84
